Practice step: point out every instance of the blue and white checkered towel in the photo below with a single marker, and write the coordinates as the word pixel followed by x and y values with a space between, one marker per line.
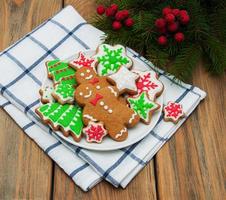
pixel 22 64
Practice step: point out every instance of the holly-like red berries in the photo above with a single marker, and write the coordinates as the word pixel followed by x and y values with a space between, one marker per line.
pixel 129 22
pixel 118 17
pixel 179 37
pixel 162 40
pixel 100 9
pixel 116 25
pixel 171 24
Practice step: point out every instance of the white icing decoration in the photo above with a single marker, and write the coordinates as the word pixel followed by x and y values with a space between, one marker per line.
pixel 88 71
pixel 120 133
pixel 110 111
pixel 112 90
pixel 80 93
pixel 102 53
pixel 88 95
pixel 82 74
pixel 152 92
pixel 101 103
pixel 89 77
pixel 90 117
pixel 125 79
pixel 98 87
pixel 105 107
pixel 46 94
pixel 132 118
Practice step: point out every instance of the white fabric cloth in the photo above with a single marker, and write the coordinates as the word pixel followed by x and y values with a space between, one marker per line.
pixel 22 64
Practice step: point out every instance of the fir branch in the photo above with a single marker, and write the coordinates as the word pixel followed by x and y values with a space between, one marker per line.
pixel 186 61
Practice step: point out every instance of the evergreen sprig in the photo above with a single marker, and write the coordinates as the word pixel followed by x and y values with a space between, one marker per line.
pixel 205 34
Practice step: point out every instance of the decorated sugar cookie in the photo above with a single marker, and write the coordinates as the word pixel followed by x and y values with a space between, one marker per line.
pixel 173 112
pixel 148 82
pixel 124 80
pixel 83 61
pixel 104 106
pixel 60 72
pixel 143 106
pixel 111 58
pixel 46 94
pixel 95 132
pixel 64 93
pixel 88 75
pixel 67 118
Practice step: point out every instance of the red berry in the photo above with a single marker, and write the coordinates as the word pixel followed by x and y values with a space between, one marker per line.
pixel 183 12
pixel 129 22
pixel 116 25
pixel 175 12
pixel 184 19
pixel 109 12
pixel 170 18
pixel 179 37
pixel 162 40
pixel 100 9
pixel 119 16
pixel 125 13
pixel 114 7
pixel 166 11
pixel 173 27
pixel 160 23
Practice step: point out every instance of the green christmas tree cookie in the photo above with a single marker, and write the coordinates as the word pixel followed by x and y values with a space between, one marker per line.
pixel 143 106
pixel 111 58
pixel 61 72
pixel 67 118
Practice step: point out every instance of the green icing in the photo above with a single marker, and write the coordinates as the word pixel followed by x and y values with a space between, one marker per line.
pixel 65 91
pixel 111 60
pixel 61 71
pixel 142 105
pixel 66 116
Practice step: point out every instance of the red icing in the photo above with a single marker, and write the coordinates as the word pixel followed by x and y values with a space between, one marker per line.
pixel 174 110
pixel 96 99
pixel 83 61
pixel 94 81
pixel 144 84
pixel 95 132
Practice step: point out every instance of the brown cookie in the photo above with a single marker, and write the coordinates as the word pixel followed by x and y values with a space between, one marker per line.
pixel 104 106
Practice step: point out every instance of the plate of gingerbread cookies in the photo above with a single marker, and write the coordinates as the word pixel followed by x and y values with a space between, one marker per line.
pixel 101 99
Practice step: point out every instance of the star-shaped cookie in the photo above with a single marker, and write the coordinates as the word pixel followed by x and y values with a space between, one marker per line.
pixel 124 80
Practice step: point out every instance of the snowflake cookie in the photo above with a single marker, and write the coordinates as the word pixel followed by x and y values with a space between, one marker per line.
pixel 64 93
pixel 95 132
pixel 148 82
pixel 46 94
pixel 173 112
pixel 111 58
pixel 82 61
pixel 143 106
pixel 124 80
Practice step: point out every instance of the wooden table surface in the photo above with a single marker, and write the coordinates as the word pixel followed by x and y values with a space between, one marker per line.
pixel 192 165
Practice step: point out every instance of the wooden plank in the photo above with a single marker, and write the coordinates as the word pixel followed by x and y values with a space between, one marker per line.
pixel 25 171
pixel 142 187
pixel 192 164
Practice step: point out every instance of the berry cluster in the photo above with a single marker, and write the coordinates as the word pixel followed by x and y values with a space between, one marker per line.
pixel 170 24
pixel 119 17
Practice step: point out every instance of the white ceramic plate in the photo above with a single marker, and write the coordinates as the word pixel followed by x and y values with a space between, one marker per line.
pixel 135 134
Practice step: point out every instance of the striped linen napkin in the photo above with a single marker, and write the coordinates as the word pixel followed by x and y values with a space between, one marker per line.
pixel 62 35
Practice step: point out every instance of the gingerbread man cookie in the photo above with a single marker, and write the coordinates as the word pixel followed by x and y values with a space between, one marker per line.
pixel 103 106
pixel 88 75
